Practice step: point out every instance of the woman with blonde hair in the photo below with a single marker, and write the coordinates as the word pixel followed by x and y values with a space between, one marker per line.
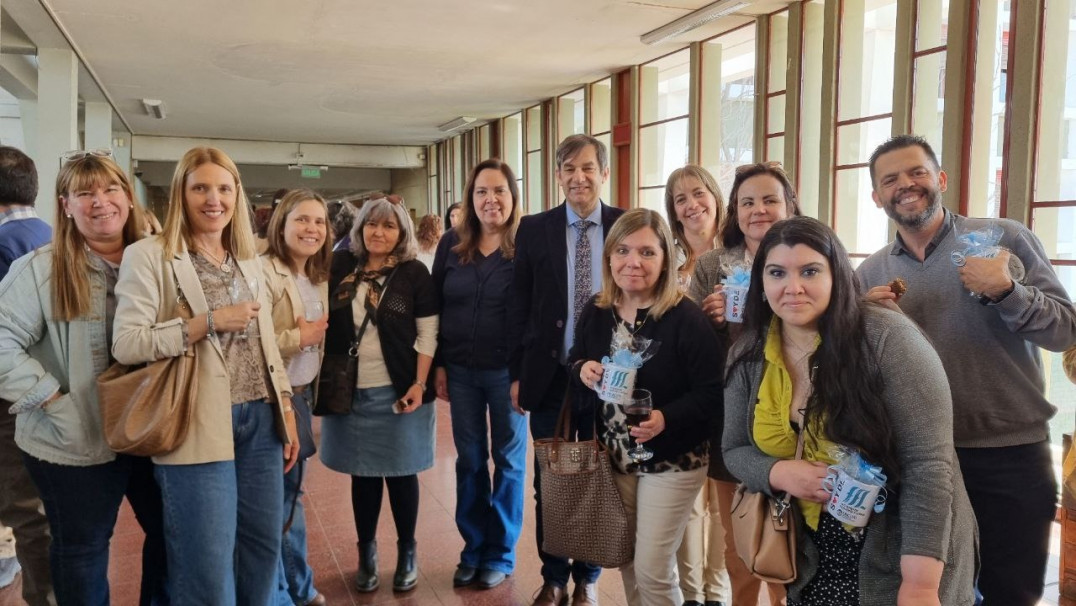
pixel 296 273
pixel 428 235
pixel 57 307
pixel 383 311
pixel 693 205
pixel 640 296
pixel 199 285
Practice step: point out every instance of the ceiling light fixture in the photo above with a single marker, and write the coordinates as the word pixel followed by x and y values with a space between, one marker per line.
pixel 452 125
pixel 692 20
pixel 154 107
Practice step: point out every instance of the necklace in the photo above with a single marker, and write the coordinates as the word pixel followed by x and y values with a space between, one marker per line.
pixel 223 264
pixel 628 325
pixel 799 354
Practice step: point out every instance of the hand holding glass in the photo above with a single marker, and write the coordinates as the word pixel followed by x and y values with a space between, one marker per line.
pixel 313 311
pixel 638 410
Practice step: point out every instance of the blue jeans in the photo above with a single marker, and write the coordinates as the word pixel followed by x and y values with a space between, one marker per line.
pixel 489 521
pixel 295 579
pixel 556 570
pixel 222 520
pixel 82 504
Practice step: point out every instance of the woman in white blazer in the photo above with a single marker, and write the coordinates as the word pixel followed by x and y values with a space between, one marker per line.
pixel 200 284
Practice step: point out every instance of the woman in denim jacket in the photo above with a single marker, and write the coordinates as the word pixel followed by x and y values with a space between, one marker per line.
pixel 56 310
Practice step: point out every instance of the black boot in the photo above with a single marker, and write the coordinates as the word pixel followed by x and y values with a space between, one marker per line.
pixel 406 571
pixel 367 579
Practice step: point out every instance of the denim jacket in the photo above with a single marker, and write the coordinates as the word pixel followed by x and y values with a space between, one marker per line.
pixel 40 355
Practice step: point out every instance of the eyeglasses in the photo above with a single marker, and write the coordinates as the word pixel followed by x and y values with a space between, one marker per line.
pixel 771 165
pixel 79 154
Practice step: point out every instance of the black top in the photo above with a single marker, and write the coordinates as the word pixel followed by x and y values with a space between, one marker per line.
pixel 684 376
pixel 474 307
pixel 408 294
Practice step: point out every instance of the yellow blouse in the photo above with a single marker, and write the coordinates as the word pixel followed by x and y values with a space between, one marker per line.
pixel 772 429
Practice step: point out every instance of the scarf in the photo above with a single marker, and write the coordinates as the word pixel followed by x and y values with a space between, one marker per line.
pixel 349 287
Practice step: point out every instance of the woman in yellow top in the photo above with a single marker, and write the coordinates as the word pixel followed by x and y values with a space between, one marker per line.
pixel 817 359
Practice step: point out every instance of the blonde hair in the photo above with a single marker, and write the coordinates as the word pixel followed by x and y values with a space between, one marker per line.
pixel 667 290
pixel 676 178
pixel 238 237
pixel 70 265
pixel 317 266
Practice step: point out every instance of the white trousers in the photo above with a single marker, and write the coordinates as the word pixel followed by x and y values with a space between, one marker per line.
pixel 658 505
pixel 701 557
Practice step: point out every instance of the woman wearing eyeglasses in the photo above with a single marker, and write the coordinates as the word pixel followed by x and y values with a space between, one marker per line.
pixel 199 284
pixel 57 306
pixel 761 195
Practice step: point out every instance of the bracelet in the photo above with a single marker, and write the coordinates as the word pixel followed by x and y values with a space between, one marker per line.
pixel 211 330
pixel 421 384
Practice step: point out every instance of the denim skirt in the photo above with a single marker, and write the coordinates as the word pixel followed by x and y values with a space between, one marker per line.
pixel 373 441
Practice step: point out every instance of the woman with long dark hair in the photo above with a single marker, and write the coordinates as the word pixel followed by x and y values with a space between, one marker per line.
pixel 818 361
pixel 473 275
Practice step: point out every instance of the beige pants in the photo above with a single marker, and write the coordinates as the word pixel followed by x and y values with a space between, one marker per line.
pixel 658 506
pixel 745 586
pixel 701 557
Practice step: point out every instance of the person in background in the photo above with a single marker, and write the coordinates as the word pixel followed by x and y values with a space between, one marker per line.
pixel 388 437
pixel 452 215
pixel 297 272
pixel 200 283
pixel 21 231
pixel 989 344
pixel 558 268
pixel 261 228
pixel 428 235
pixel 693 204
pixel 473 276
pixel 817 363
pixel 57 308
pixel 341 219
pixel 640 295
pixel 761 195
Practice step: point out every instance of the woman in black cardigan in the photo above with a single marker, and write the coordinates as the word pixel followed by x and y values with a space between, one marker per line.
pixel 640 295
pixel 383 308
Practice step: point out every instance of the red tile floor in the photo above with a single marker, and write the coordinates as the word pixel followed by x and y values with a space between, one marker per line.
pixel 332 551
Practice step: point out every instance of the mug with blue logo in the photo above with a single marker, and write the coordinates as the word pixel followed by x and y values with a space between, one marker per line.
pixel 617 383
pixel 852 501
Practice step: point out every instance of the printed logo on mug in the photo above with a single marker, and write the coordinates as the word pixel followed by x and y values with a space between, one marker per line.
pixel 852 501
pixel 735 297
pixel 617 384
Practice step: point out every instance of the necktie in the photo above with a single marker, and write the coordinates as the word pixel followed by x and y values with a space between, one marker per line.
pixel 582 267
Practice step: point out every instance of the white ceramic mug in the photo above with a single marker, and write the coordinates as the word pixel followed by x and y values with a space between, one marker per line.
pixel 852 501
pixel 617 383
pixel 735 297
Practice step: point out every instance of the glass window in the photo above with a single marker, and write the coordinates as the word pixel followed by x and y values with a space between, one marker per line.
pixel 727 115
pixel 1055 160
pixel 864 112
pixel 776 86
pixel 928 87
pixel 484 142
pixel 533 195
pixel 607 140
pixel 808 173
pixel 512 146
pixel 986 163
pixel 432 189
pixel 601 106
pixel 664 87
pixel 571 112
pixel 662 149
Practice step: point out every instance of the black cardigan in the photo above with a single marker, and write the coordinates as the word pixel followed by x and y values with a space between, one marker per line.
pixel 474 307
pixel 408 294
pixel 684 377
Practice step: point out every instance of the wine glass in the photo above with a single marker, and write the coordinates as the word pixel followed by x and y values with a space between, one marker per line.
pixel 313 311
pixel 235 291
pixel 638 410
pixel 254 287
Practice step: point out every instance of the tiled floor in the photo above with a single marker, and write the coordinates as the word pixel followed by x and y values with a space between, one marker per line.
pixel 333 554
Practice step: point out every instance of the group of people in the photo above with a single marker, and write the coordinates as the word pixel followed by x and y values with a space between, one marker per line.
pixel 939 390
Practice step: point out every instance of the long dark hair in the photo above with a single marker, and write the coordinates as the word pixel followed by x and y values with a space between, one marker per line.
pixel 846 400
pixel 731 234
pixel 470 228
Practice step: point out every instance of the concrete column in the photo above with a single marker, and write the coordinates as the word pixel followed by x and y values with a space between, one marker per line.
pixel 984 158
pixel 709 114
pixel 57 120
pixel 28 113
pixel 98 125
pixel 809 101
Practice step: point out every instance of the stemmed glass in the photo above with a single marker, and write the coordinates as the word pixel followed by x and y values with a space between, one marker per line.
pixel 314 310
pixel 638 410
pixel 236 291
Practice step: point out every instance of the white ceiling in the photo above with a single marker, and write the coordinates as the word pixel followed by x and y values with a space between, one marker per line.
pixel 354 71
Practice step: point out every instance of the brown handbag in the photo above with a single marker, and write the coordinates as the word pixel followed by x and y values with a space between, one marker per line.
pixel 583 517
pixel 146 409
pixel 764 531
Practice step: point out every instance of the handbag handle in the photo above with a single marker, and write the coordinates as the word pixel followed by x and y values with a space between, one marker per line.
pixel 562 431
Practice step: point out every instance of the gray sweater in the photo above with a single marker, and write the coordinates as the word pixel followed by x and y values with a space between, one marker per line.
pixel 928 513
pixel 990 352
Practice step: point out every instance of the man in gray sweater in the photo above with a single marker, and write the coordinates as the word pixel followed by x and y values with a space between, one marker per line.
pixel 987 323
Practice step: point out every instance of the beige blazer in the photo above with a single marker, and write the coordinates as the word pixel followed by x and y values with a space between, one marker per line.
pixel 147 327
pixel 287 306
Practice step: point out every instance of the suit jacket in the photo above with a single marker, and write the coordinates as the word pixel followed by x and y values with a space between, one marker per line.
pixel 539 309
pixel 148 327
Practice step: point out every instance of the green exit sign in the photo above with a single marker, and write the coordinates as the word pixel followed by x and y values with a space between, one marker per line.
pixel 310 172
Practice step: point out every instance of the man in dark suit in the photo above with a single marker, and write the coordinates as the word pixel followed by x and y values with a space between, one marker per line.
pixel 558 269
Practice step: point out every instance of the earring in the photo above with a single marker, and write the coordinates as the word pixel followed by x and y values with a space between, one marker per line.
pixel 67 215
pixel 763 297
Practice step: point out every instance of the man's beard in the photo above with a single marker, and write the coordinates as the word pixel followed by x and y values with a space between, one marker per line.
pixel 917 221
